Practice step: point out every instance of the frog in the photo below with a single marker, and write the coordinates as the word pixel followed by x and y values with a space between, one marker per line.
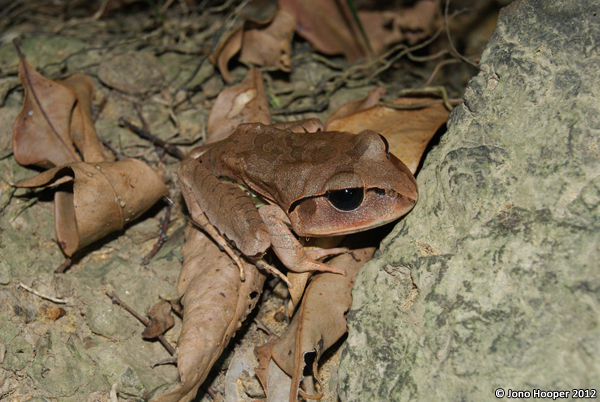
pixel 309 183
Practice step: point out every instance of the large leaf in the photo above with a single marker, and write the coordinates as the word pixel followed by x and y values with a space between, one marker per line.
pixel 215 303
pixel 320 321
pixel 407 131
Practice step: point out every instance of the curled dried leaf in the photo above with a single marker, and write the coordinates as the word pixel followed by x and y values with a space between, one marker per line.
pixel 263 42
pixel 103 198
pixel 215 303
pixel 320 321
pixel 407 131
pixel 245 102
pixel 41 131
pixel 269 44
pixel 371 100
pixel 82 133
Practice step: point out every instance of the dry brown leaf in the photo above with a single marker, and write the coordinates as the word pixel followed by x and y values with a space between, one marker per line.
pixel 41 131
pixel 229 46
pixel 407 131
pixel 278 384
pixel 104 197
pixel 160 320
pixel 371 100
pixel 330 27
pixel 263 42
pixel 320 321
pixel 245 102
pixel 411 24
pixel 298 281
pixel 263 355
pixel 83 133
pixel 270 45
pixel 215 303
pixel 311 125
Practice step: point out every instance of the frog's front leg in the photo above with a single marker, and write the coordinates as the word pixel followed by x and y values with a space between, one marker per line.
pixel 286 246
pixel 223 208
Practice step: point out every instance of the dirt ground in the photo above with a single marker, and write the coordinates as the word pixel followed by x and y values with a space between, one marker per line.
pixel 61 338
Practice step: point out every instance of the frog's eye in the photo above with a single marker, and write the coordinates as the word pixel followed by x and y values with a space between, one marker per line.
pixel 387 146
pixel 347 199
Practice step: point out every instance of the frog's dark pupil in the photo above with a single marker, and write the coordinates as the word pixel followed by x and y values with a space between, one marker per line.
pixel 347 199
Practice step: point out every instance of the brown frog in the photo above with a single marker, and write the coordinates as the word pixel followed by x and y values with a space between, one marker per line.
pixel 318 183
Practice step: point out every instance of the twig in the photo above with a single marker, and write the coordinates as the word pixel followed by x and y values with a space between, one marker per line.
pixel 43 296
pixel 162 234
pixel 23 208
pixel 111 149
pixel 63 267
pixel 171 150
pixel 146 128
pixel 100 109
pixel 437 68
pixel 6 154
pixel 439 90
pixel 11 192
pixel 143 320
pixel 456 53
pixel 421 105
pixel 168 360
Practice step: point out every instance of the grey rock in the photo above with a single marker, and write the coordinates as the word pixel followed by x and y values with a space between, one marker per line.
pixel 134 73
pixel 107 319
pixel 493 281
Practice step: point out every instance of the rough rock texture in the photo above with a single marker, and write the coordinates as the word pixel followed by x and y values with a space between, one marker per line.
pixel 503 247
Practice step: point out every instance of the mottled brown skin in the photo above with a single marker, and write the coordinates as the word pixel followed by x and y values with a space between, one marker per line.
pixel 294 171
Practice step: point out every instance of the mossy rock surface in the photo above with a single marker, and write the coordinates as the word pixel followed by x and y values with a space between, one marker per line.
pixel 493 281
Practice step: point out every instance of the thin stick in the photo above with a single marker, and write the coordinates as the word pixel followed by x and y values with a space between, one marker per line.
pixel 62 268
pixel 168 360
pixel 11 192
pixel 162 234
pixel 43 296
pixel 421 105
pixel 438 68
pixel 23 208
pixel 446 22
pixel 171 150
pixel 143 320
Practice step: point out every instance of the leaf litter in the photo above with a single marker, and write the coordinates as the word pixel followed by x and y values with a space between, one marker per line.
pixel 119 270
